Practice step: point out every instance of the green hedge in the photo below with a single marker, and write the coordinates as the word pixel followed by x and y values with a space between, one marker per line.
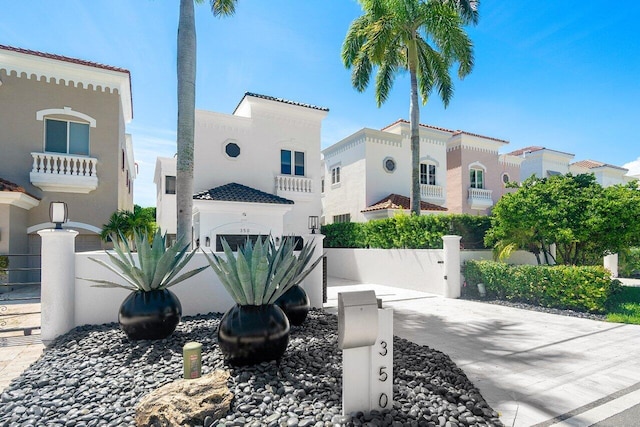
pixel 567 287
pixel 630 263
pixel 411 232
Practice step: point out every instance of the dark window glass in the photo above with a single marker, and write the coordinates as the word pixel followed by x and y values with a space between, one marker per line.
pixel 285 162
pixel 78 138
pixel 170 185
pixel 299 157
pixel 232 149
pixel 55 136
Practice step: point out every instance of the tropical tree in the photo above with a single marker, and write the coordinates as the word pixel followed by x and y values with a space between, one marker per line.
pixel 584 220
pixel 186 108
pixel 425 38
pixel 128 223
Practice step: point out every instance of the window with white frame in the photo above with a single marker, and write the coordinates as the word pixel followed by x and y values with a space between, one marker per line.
pixel 69 137
pixel 335 175
pixel 291 162
pixel 427 174
pixel 341 218
pixel 169 184
pixel 476 178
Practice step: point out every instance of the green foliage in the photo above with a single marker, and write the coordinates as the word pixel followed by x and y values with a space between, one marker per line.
pixel 583 219
pixel 407 231
pixel 127 223
pixel 629 263
pixel 157 265
pixel 624 306
pixel 260 274
pixel 567 287
pixel 4 265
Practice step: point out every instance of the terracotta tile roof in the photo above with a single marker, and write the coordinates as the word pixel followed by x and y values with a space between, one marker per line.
pixel 396 201
pixel 64 58
pixel 234 192
pixel 10 186
pixel 592 164
pixel 452 132
pixel 521 151
pixel 284 101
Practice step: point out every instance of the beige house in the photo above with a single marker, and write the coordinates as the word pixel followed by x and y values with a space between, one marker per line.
pixel 62 138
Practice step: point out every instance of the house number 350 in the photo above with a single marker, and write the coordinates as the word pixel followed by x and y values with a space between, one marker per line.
pixel 245 230
pixel 383 399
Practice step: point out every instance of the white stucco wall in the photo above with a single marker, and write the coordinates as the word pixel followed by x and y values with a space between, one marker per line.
pixel 165 203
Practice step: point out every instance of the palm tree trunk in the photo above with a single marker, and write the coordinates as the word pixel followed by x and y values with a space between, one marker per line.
pixel 414 124
pixel 186 119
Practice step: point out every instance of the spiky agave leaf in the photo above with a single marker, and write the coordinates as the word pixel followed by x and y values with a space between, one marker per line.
pixel 222 270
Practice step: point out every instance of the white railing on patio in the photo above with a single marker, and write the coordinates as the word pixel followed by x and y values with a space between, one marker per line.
pixel 479 193
pixel 479 198
pixel 431 191
pixel 296 184
pixel 63 164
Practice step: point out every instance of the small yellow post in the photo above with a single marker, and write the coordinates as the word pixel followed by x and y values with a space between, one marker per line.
pixel 192 360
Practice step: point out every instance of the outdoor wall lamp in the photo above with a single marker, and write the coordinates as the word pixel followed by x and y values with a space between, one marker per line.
pixel 313 224
pixel 58 213
pixel 207 241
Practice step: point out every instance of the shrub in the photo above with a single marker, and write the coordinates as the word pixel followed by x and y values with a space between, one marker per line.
pixel 566 287
pixel 411 232
pixel 630 263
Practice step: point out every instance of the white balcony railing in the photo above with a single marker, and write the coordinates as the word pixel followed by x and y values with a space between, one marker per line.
pixel 433 192
pixel 479 198
pixel 293 184
pixel 64 173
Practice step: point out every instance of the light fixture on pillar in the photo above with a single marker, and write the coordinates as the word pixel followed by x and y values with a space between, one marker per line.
pixel 58 213
pixel 313 224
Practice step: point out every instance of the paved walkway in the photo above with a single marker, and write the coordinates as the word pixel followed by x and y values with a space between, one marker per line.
pixel 533 368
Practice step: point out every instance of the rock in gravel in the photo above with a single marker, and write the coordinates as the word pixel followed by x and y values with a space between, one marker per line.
pixel 183 402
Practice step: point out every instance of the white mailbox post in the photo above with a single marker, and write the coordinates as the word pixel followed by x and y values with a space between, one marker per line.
pixel 365 335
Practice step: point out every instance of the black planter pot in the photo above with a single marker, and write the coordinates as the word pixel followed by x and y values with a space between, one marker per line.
pixel 150 315
pixel 295 304
pixel 250 334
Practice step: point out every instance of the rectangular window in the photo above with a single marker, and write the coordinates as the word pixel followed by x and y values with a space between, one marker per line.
pixel 299 169
pixel 322 185
pixel 169 184
pixel 427 174
pixel 341 218
pixel 476 177
pixel 291 162
pixel 66 137
pixel 285 162
pixel 335 175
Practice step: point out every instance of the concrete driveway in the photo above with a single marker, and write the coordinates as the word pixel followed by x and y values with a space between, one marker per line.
pixel 536 369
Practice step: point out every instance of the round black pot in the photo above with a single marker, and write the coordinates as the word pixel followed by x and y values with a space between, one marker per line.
pixel 295 304
pixel 150 315
pixel 250 334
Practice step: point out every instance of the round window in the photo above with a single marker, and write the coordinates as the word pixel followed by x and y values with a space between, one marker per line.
pixel 389 164
pixel 505 178
pixel 232 149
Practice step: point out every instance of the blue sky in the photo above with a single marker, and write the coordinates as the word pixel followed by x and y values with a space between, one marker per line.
pixel 562 74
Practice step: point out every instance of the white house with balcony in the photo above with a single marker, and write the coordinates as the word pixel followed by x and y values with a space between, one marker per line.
pixel 256 171
pixel 62 138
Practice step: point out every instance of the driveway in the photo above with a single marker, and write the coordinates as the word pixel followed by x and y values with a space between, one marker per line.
pixel 534 368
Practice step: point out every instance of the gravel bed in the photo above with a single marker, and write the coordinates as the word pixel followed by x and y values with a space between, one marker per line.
pixel 94 376
pixel 525 306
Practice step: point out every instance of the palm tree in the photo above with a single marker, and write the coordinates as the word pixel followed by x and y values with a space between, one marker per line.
pixel 128 223
pixel 186 108
pixel 424 37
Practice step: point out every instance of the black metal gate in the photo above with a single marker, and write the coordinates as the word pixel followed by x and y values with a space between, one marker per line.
pixel 20 276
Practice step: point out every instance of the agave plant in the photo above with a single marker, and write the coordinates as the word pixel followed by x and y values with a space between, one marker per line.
pixel 157 267
pixel 261 273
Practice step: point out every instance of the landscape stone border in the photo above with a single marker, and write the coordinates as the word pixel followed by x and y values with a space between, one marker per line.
pixel 94 376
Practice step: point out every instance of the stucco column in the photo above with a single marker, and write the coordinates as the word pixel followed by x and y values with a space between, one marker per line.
pixel 312 285
pixel 58 283
pixel 451 245
pixel 611 264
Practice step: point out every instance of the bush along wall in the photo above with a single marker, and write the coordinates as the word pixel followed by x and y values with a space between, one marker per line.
pixel 585 289
pixel 408 232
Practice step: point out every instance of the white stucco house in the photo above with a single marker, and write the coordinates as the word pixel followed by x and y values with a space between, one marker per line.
pixel 543 162
pixel 256 171
pixel 367 175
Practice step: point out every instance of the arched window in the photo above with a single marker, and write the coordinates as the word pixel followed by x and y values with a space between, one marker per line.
pixel 66 131
pixel 476 175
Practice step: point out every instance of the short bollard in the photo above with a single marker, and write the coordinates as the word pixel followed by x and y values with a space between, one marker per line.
pixel 365 335
pixel 192 360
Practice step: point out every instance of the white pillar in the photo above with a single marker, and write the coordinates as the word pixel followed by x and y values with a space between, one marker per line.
pixel 611 264
pixel 312 284
pixel 451 245
pixel 58 283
